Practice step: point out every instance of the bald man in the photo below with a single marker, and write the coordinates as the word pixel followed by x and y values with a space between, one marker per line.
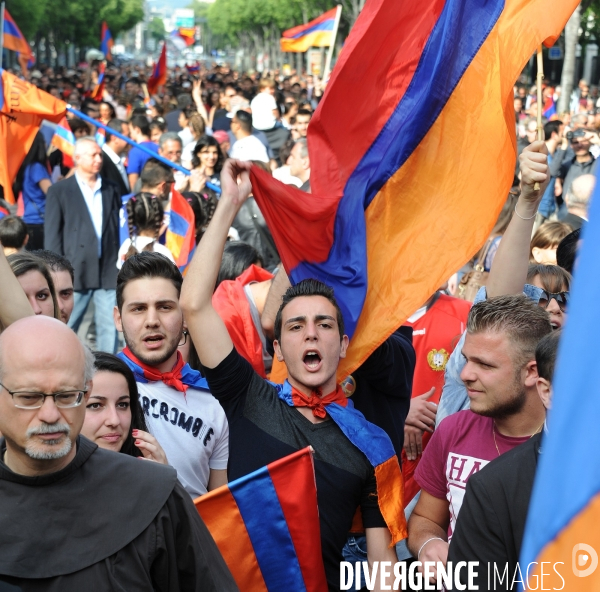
pixel 578 201
pixel 73 515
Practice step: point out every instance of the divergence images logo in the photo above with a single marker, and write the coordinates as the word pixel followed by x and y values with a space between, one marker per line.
pixel 585 560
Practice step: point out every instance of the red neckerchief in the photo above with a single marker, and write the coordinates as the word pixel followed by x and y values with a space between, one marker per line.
pixel 318 403
pixel 169 378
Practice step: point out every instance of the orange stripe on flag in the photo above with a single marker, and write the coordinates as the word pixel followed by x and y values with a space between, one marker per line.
pixel 482 117
pixel 391 497
pixel 579 538
pixel 216 509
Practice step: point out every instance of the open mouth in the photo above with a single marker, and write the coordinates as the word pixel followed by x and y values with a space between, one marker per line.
pixel 153 341
pixel 312 360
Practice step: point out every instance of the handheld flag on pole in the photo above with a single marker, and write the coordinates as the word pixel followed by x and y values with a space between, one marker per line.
pixel 193 69
pixel 388 186
pixel 97 92
pixel 106 41
pixel 565 503
pixel 63 137
pixel 159 73
pixel 181 233
pixel 22 109
pixel 13 39
pixel 266 526
pixel 318 33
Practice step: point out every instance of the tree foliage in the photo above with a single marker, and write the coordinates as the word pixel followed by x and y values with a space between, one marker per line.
pixel 156 28
pixel 74 21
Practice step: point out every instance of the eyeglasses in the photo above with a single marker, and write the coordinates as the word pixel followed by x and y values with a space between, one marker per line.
pixel 35 400
pixel 562 299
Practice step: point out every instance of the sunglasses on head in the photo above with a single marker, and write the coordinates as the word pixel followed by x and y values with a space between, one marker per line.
pixel 562 299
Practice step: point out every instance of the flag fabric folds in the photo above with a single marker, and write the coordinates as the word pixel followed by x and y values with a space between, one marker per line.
pixel 181 233
pixel 22 109
pixel 266 526
pixel 565 505
pixel 413 153
pixel 232 305
pixel 159 72
pixel 106 41
pixel 13 39
pixel 188 34
pixel 317 33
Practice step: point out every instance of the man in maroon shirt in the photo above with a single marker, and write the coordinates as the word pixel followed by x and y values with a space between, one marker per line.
pixel 500 375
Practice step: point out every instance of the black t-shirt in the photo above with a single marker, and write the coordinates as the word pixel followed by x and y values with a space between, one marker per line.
pixel 262 429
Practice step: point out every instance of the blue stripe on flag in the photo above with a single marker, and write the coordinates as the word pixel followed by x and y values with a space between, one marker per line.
pixel 259 505
pixel 178 224
pixel 323 26
pixel 460 31
pixel 565 483
pixel 11 29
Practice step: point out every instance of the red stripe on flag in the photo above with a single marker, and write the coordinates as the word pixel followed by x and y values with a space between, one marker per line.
pixel 297 494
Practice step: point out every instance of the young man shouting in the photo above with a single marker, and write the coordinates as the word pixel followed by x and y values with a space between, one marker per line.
pixel 268 422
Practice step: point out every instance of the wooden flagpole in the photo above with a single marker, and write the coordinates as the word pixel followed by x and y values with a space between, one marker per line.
pixel 336 25
pixel 540 101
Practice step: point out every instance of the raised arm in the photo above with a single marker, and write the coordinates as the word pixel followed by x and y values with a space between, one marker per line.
pixel 13 301
pixel 509 269
pixel 280 284
pixel 208 331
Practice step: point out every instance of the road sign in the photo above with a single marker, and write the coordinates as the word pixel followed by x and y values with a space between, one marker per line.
pixel 555 53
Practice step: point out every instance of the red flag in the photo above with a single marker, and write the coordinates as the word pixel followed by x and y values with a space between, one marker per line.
pixel 159 72
pixel 22 109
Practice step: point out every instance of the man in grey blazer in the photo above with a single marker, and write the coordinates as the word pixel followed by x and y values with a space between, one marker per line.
pixel 82 224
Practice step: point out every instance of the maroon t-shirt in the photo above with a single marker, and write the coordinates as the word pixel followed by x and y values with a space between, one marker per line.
pixel 461 445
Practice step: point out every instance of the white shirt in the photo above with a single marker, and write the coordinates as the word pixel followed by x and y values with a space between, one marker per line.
pixel 191 428
pixel 93 201
pixel 262 106
pixel 140 242
pixel 118 162
pixel 186 136
pixel 283 174
pixel 249 148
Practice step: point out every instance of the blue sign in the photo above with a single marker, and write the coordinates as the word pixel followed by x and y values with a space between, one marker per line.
pixel 555 53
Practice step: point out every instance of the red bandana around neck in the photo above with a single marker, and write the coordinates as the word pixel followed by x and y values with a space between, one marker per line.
pixel 316 402
pixel 172 378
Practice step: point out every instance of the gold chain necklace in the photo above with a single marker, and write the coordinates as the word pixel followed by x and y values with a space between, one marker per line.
pixel 494 434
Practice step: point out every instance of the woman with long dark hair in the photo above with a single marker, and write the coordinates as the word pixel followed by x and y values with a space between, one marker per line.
pixel 36 281
pixel 33 181
pixel 114 418
pixel 207 162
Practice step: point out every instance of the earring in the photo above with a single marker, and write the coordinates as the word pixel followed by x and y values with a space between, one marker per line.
pixel 185 334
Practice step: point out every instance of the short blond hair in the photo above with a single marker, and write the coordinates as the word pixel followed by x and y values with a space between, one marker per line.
pixel 266 83
pixel 518 317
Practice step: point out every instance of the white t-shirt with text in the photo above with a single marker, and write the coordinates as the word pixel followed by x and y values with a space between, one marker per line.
pixel 192 429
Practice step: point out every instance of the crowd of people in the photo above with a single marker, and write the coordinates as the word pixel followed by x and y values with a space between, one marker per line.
pixel 176 371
